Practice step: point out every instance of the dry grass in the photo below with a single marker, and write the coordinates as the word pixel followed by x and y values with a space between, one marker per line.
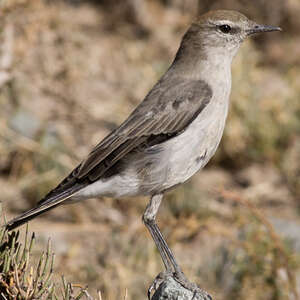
pixel 21 279
pixel 265 238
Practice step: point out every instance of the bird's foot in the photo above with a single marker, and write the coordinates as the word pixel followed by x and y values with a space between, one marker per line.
pixel 191 286
pixel 179 277
pixel 160 278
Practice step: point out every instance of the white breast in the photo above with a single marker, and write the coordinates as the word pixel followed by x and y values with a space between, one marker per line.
pixel 191 150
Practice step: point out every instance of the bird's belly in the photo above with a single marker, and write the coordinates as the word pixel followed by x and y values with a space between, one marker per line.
pixel 176 160
pixel 191 152
pixel 165 165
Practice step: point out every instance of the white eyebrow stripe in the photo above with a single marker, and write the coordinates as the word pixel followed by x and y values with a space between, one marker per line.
pixel 222 22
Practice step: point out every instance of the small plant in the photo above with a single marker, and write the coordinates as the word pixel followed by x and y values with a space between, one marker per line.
pixel 21 280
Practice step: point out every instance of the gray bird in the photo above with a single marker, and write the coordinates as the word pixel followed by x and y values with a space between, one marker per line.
pixel 171 134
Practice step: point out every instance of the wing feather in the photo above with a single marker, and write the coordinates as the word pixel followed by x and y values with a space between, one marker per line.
pixel 172 109
pixel 165 112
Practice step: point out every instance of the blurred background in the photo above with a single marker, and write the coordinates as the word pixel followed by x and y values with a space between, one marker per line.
pixel 71 71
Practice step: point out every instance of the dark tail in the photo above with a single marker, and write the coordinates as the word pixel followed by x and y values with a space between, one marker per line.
pixel 26 217
pixel 50 201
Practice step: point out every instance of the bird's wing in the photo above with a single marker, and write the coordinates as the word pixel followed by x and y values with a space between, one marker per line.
pixel 165 112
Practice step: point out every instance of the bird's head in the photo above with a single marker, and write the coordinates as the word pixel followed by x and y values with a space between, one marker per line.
pixel 222 32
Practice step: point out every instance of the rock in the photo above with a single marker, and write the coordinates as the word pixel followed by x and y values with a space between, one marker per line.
pixel 170 289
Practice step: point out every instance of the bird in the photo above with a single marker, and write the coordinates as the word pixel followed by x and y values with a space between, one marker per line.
pixel 169 136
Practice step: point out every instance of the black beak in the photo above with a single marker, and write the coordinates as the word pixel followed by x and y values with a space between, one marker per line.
pixel 262 28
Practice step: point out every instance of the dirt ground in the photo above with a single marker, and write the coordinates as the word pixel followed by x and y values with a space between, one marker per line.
pixel 71 71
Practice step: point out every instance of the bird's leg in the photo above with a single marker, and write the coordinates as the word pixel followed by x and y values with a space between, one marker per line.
pixel 149 220
pixel 172 268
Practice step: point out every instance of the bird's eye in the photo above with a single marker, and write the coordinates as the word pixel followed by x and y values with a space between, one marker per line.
pixel 225 28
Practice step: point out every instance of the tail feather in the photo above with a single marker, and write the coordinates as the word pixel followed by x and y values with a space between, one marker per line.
pixel 49 202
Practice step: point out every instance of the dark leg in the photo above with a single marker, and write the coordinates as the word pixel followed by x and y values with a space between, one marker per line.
pixel 149 220
pixel 172 268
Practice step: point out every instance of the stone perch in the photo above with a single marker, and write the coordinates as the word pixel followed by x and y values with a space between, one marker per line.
pixel 170 289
